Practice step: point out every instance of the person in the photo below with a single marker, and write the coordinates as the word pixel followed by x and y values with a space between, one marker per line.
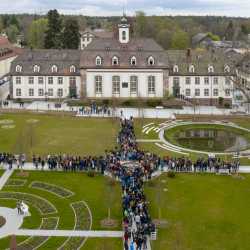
pixel 18 205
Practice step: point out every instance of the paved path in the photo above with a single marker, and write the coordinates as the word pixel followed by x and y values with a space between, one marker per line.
pixel 4 178
pixel 13 221
pixel 70 233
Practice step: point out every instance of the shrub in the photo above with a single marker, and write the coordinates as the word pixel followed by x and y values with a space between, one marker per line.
pixel 227 105
pixel 91 173
pixel 154 102
pixel 171 174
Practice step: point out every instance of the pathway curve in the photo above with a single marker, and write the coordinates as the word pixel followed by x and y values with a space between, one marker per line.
pixel 4 178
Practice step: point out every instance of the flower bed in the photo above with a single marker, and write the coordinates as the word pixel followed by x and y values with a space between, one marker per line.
pixel 83 221
pixel 44 206
pixel 37 241
pixel 16 182
pixel 57 190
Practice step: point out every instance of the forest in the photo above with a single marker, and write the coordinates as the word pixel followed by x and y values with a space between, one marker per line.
pixel 171 32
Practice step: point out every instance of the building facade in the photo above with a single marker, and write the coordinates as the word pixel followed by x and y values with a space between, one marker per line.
pixel 123 67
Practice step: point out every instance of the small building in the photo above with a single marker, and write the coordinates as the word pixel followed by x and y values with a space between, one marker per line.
pixel 88 35
pixel 201 40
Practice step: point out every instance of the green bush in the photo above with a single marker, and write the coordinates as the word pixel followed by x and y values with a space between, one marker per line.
pixel 91 173
pixel 171 174
pixel 227 105
pixel 154 102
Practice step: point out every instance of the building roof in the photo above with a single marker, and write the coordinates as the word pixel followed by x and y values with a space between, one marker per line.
pixel 142 49
pixel 199 38
pixel 244 64
pixel 98 33
pixel 201 60
pixel 63 59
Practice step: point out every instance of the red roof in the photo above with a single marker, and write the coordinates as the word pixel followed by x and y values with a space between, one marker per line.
pixel 4 42
pixel 7 49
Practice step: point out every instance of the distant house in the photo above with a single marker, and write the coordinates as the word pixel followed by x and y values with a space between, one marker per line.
pixel 8 52
pixel 87 36
pixel 201 40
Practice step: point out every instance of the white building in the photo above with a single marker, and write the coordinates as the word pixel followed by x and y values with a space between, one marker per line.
pixel 46 74
pixel 123 67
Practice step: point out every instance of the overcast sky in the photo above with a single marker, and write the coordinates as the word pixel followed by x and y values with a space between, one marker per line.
pixel 115 7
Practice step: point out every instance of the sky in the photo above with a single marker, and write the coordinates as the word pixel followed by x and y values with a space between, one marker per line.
pixel 150 7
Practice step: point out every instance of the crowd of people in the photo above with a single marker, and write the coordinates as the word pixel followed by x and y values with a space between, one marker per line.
pixel 94 109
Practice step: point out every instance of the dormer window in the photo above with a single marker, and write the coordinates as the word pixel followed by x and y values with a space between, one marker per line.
pixel 191 69
pixel 133 61
pixel 175 69
pixel 36 69
pixel 151 61
pixel 226 69
pixel 72 69
pixel 124 37
pixel 98 61
pixel 54 69
pixel 210 69
pixel 19 68
pixel 115 60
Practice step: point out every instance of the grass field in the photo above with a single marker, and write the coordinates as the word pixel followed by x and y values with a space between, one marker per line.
pixel 204 212
pixel 96 191
pixel 57 134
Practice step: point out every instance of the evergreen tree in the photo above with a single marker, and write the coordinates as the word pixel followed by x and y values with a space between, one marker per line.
pixel 53 33
pixel 229 34
pixel 71 35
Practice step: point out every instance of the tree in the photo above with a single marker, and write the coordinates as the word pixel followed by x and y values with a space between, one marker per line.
pixel 140 24
pixel 180 40
pixel 12 32
pixel 1 25
pixel 71 35
pixel 213 37
pixel 229 34
pixel 36 34
pixel 53 33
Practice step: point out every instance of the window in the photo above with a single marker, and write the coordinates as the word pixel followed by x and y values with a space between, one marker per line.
pixel 206 80
pixel 206 92
pixel 188 80
pixel 40 92
pixel 125 85
pixel 36 68
pixel 176 81
pixel 50 92
pixel 72 81
pixel 133 61
pixel 31 92
pixel 197 92
pixel 197 80
pixel 98 84
pixel 98 61
pixel 216 80
pixel 151 60
pixel 31 80
pixel 215 92
pixel 60 92
pixel 18 80
pixel 227 92
pixel 115 60
pixel 18 92
pixel 116 84
pixel 40 80
pixel 176 69
pixel 54 69
pixel 210 69
pixel 188 92
pixel 124 35
pixel 191 69
pixel 151 84
pixel 19 68
pixel 72 69
pixel 227 80
pixel 60 80
pixel 50 80
pixel 133 84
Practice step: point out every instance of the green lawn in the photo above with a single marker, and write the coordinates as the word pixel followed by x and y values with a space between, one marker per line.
pixel 57 134
pixel 96 191
pixel 204 212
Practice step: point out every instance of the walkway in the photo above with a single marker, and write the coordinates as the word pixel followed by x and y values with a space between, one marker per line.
pixel 4 178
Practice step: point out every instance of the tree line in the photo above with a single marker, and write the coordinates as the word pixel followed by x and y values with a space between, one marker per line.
pixel 171 32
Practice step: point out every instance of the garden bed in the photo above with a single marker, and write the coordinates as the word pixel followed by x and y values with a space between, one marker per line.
pixel 56 190
pixel 83 221
pixel 44 206
pixel 15 183
pixel 37 241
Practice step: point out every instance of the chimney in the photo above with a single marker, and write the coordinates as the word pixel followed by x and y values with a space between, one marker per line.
pixel 189 55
